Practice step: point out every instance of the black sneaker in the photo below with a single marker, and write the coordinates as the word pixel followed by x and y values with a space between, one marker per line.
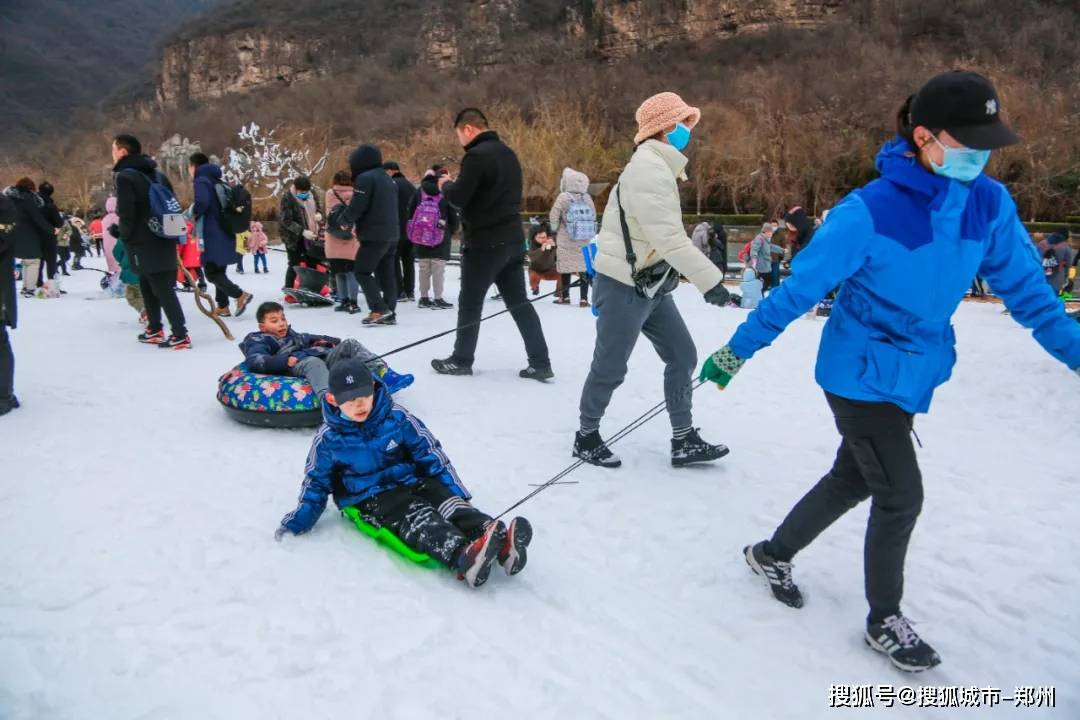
pixel 450 366
pixel 776 573
pixel 410 298
pixel 152 337
pixel 389 318
pixel 424 303
pixel 906 650
pixel 591 448
pixel 535 373
pixel 342 307
pixel 10 403
pixel 692 449
pixel 176 343
pixel 476 559
pixel 512 555
pixel 442 304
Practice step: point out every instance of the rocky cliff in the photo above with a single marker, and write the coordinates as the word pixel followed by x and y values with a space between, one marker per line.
pixel 448 34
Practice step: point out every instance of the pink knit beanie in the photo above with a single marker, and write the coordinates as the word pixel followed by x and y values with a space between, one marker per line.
pixel 662 111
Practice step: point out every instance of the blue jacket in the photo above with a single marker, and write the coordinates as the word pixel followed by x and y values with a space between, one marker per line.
pixel 269 354
pixel 355 461
pixel 219 247
pixel 905 247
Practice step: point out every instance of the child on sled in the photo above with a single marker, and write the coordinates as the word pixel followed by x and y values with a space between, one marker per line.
pixel 374 455
pixel 277 349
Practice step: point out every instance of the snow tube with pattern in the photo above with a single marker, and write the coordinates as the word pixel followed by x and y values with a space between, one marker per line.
pixel 280 401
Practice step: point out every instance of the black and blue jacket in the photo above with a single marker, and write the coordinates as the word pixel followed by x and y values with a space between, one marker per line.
pixel 269 354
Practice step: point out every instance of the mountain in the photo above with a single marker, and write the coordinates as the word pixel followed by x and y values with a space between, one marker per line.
pixel 62 57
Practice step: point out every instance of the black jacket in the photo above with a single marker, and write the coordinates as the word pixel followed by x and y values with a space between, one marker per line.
pixel 430 185
pixel 147 253
pixel 374 204
pixel 487 193
pixel 406 194
pixel 804 230
pixel 32 233
pixel 8 216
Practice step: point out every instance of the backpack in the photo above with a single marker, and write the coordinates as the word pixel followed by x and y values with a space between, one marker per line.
pixel 335 221
pixel 580 220
pixel 744 254
pixel 166 215
pixel 426 226
pixel 235 203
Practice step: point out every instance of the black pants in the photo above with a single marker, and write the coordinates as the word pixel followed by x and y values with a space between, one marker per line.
pixel 428 518
pixel 7 362
pixel 296 256
pixel 63 254
pixel 564 287
pixel 99 245
pixel 224 288
pixel 406 268
pixel 240 264
pixel 375 273
pixel 876 459
pixel 159 293
pixel 503 266
pixel 49 253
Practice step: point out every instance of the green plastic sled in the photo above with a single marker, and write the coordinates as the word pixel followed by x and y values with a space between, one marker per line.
pixel 389 540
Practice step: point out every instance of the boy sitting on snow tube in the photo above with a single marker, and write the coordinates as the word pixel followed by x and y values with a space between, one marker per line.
pixel 380 462
pixel 284 374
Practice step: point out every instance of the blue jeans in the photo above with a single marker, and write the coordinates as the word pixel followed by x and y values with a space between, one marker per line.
pixel 261 256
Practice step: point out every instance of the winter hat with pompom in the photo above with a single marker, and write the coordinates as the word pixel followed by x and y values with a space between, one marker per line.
pixel 661 112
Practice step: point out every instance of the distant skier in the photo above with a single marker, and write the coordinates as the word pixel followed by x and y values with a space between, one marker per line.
pixel 905 247
pixel 374 455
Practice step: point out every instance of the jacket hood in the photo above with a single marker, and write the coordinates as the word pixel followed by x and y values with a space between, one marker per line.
pixel 749 274
pixel 430 184
pixel 675 160
pixel 798 218
pixel 209 170
pixel 364 158
pixel 379 410
pixel 143 163
pixel 110 204
pixel 256 226
pixel 574 181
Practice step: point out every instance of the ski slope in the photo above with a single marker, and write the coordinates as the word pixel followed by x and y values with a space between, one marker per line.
pixel 139 577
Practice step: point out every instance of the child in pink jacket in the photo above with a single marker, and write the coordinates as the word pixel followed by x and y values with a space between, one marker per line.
pixel 257 243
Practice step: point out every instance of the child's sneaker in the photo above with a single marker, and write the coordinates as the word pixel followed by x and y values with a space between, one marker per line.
pixel 176 343
pixel 895 637
pixel 512 556
pixel 393 382
pixel 152 338
pixel 776 573
pixel 591 448
pixel 474 563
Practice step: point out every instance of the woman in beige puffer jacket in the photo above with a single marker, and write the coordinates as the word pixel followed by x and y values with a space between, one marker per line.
pixel 574 188
pixel 648 193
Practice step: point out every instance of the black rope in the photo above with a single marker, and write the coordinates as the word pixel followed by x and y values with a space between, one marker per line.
pixel 428 339
pixel 634 425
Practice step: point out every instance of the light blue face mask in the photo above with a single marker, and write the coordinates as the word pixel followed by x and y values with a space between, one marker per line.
pixel 963 164
pixel 679 137
pixel 303 195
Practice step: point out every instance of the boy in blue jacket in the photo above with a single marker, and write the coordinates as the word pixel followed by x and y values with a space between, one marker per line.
pixel 277 349
pixel 374 455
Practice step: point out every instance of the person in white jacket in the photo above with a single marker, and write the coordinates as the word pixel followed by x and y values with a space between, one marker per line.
pixel 633 287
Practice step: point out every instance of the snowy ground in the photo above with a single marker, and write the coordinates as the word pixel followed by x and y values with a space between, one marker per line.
pixel 139 577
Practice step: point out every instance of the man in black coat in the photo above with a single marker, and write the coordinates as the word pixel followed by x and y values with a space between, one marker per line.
pixel 374 210
pixel 8 401
pixel 51 251
pixel 487 193
pixel 151 257
pixel 406 267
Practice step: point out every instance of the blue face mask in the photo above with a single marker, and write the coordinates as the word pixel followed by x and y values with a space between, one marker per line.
pixel 303 195
pixel 679 137
pixel 963 164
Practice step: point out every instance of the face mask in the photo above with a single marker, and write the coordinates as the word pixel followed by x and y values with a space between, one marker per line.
pixel 963 164
pixel 679 137
pixel 303 195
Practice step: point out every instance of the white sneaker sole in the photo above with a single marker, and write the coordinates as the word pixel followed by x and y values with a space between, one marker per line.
pixel 875 645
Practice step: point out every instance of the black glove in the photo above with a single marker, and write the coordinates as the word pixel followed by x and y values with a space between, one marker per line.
pixel 114 230
pixel 719 295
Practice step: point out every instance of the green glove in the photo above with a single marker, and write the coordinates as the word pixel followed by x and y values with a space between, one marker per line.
pixel 721 366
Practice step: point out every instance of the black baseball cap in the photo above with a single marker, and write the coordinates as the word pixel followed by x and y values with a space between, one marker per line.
pixel 391 165
pixel 351 379
pixel 965 105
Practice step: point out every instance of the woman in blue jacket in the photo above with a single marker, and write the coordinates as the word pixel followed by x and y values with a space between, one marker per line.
pixel 905 248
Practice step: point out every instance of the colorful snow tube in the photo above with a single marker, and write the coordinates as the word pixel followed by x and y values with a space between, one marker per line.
pixel 279 401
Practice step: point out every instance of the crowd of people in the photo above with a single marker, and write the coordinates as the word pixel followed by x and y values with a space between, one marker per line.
pixel 930 223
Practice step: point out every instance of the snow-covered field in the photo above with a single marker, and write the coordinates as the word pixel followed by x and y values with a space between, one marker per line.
pixel 139 577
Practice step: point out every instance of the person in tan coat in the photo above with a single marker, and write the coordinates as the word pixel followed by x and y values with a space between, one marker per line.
pixel 573 217
pixel 642 249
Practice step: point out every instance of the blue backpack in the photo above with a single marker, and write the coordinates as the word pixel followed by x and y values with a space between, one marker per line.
pixel 166 214
pixel 580 220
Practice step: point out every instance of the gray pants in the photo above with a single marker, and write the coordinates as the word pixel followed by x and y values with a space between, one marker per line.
pixel 347 286
pixel 623 316
pixel 432 273
pixel 317 370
